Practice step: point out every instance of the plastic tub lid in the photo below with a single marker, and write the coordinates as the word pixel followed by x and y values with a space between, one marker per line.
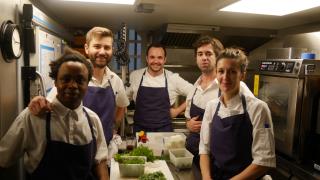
pixel 308 56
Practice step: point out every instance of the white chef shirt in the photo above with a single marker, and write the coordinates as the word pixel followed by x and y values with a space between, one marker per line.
pixel 116 84
pixel 27 135
pixel 176 84
pixel 203 96
pixel 263 148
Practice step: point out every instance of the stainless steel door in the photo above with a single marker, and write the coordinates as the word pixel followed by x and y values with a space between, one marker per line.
pixel 310 120
pixel 283 96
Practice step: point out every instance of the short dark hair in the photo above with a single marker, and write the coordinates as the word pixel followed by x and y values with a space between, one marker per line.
pixel 69 55
pixel 237 54
pixel 157 45
pixel 203 40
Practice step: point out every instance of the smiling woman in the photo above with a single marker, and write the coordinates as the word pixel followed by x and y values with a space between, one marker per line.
pixel 236 138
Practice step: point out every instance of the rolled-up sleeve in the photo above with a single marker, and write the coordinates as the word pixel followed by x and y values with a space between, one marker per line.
pixel 102 148
pixel 263 146
pixel 13 143
pixel 121 96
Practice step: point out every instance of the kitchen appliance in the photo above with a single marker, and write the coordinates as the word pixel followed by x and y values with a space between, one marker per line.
pixel 291 88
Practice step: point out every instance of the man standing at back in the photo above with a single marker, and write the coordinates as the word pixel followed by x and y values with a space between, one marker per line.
pixel 154 91
pixel 106 94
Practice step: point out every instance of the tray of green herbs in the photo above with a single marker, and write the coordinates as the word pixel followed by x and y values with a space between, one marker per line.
pixel 130 166
pixel 139 151
pixel 125 159
pixel 158 175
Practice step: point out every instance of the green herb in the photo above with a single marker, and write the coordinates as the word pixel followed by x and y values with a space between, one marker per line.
pixel 139 151
pixel 143 151
pixel 158 175
pixel 129 160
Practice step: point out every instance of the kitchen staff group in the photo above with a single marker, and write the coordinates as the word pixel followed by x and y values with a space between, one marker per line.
pixel 66 135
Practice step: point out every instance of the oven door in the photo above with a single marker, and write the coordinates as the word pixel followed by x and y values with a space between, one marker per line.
pixel 284 97
pixel 310 121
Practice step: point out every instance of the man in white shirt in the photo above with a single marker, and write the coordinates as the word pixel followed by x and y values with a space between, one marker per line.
pixel 154 90
pixel 106 93
pixel 67 142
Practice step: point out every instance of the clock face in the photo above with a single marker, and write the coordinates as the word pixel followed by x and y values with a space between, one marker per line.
pixel 16 43
pixel 11 47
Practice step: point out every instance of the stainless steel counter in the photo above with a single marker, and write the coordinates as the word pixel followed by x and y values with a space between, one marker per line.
pixel 186 174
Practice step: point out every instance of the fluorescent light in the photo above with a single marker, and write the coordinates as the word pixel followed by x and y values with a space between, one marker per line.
pixel 316 33
pixel 130 2
pixel 271 7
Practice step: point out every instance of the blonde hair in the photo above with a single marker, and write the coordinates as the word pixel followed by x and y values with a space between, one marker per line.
pixel 98 32
pixel 237 55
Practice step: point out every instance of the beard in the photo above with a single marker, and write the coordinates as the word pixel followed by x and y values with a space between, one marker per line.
pixel 100 62
pixel 155 69
pixel 207 70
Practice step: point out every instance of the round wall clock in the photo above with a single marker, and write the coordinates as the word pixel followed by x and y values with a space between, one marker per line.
pixel 10 38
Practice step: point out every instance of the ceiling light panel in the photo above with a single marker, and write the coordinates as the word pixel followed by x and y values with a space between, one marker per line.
pixel 271 7
pixel 129 2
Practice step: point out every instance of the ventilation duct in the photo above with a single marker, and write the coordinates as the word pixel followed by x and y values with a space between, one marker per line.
pixel 144 8
pixel 184 35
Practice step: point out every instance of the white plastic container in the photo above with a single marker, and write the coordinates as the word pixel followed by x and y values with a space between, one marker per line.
pixel 176 141
pixel 181 158
pixel 173 142
pixel 132 170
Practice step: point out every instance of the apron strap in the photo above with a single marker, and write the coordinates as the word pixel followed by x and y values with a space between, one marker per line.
pixel 90 124
pixel 94 142
pixel 142 78
pixel 244 103
pixel 193 95
pixel 110 85
pixel 144 73
pixel 48 119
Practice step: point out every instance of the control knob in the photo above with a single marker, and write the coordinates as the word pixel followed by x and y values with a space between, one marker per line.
pixel 282 66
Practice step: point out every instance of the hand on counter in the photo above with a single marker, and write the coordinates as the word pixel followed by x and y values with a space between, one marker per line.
pixel 194 125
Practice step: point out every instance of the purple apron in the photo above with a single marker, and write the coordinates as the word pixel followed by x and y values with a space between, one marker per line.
pixel 152 112
pixel 230 144
pixel 192 142
pixel 102 101
pixel 66 161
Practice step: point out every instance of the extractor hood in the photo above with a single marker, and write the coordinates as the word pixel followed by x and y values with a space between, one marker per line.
pixel 184 35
